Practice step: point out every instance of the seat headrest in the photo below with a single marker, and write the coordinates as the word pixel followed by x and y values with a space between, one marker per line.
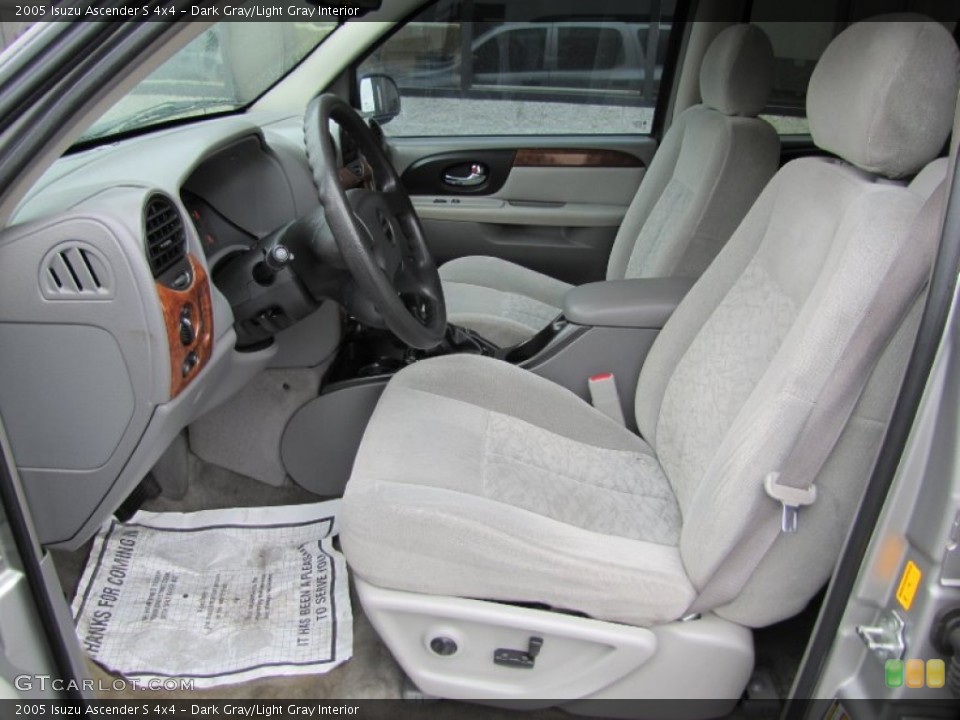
pixel 737 72
pixel 883 93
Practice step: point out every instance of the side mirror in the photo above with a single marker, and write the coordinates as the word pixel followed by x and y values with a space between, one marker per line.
pixel 379 98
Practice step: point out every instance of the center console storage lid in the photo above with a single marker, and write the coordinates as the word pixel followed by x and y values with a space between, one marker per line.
pixel 634 303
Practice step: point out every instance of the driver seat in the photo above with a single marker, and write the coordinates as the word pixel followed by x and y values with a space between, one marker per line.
pixel 492 511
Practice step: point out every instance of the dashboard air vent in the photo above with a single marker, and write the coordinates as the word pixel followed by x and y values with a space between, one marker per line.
pixel 165 236
pixel 75 270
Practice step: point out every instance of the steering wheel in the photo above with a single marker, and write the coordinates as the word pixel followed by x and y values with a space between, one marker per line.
pixel 376 230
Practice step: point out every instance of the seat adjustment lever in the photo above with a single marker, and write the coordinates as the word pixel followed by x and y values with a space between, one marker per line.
pixel 523 659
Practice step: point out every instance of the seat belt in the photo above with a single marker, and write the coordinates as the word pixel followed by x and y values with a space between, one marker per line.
pixel 605 397
pixel 793 486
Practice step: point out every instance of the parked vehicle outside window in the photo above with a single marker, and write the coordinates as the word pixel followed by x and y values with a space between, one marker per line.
pixel 553 70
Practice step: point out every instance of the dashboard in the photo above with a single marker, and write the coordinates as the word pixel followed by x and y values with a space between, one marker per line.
pixel 242 192
pixel 115 337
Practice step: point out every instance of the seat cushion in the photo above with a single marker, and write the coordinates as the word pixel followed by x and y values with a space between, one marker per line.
pixel 478 479
pixel 504 302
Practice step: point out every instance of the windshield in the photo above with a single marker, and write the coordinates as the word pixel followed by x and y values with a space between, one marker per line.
pixel 225 68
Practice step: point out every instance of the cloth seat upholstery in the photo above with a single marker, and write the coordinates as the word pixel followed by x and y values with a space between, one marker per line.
pixel 712 164
pixel 476 478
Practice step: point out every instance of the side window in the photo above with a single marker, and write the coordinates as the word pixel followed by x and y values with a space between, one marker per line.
pixel 589 49
pixel 663 42
pixel 527 67
pixel 796 47
pixel 511 56
pixel 487 56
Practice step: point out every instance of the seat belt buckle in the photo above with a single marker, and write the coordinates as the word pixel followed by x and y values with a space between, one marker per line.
pixel 604 396
pixel 790 498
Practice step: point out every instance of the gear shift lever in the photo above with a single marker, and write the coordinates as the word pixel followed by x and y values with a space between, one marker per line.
pixel 463 340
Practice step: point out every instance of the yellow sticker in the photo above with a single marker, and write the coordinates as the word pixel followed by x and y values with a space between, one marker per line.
pixel 909 582
pixel 936 673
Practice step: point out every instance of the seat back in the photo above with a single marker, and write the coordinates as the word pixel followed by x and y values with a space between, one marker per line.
pixel 712 164
pixel 732 379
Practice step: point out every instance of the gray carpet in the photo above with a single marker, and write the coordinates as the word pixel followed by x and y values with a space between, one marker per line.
pixel 244 433
pixel 371 673
pixel 213 487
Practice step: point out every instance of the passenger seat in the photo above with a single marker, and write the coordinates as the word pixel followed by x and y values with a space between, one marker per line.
pixel 712 164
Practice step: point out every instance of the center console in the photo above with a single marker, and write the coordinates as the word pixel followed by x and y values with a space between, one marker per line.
pixel 371 353
pixel 605 327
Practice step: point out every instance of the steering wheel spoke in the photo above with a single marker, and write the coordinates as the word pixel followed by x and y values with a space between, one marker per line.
pixel 376 228
pixel 397 202
pixel 421 304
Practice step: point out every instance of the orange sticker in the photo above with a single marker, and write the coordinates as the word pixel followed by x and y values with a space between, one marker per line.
pixel 909 582
pixel 914 673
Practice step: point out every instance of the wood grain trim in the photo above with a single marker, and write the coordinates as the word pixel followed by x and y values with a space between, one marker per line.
pixel 197 299
pixel 574 157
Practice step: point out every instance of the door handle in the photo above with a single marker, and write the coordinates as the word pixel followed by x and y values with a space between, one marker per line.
pixel 477 176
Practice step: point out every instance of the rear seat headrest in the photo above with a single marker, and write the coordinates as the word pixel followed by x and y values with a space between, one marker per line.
pixel 737 72
pixel 883 94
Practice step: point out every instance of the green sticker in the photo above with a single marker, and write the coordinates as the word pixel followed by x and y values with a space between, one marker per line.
pixel 894 673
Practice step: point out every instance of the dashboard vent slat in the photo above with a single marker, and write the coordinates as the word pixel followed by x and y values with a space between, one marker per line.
pixel 78 284
pixel 165 237
pixel 75 271
pixel 89 265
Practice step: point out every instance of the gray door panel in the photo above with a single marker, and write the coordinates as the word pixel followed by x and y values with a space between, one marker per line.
pixel 600 186
pixel 404 151
pixel 573 254
pixel 556 209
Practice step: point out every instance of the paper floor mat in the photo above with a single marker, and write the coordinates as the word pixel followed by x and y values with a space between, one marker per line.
pixel 219 596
